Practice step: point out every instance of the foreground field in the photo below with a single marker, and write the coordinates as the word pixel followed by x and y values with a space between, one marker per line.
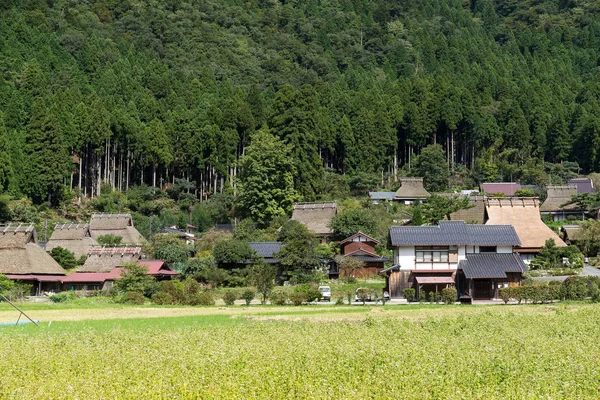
pixel 349 352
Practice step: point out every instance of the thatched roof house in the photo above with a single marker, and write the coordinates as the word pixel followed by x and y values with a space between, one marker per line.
pixel 104 259
pixel 524 215
pixel 571 233
pixel 473 215
pixel 21 258
pixel 316 216
pixel 558 195
pixel 118 225
pixel 73 237
pixel 411 189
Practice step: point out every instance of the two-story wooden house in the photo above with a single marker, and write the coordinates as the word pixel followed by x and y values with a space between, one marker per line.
pixel 477 259
pixel 362 247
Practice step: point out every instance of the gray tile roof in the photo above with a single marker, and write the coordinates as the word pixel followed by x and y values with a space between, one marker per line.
pixel 491 265
pixel 382 195
pixel 266 249
pixel 454 233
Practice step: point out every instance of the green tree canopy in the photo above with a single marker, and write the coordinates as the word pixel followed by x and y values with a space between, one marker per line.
pixel 433 168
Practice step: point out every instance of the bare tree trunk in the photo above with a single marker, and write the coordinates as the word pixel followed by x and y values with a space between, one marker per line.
pixel 87 157
pixel 127 177
pixel 201 185
pixel 153 175
pixel 80 171
pixel 452 142
pixel 99 179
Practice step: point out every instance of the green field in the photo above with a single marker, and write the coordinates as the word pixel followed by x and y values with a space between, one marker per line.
pixel 443 352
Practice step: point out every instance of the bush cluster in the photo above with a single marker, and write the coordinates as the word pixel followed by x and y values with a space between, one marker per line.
pixel 573 288
pixel 409 294
pixel 188 292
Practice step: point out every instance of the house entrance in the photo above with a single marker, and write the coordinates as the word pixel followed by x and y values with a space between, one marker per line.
pixel 482 289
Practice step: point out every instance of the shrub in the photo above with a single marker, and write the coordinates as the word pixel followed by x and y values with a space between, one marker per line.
pixel 134 298
pixel 505 294
pixel 201 299
pixel 297 298
pixel 162 298
pixel 312 292
pixel 339 301
pixel 409 294
pixel 59 297
pixel 434 297
pixel 278 297
pixel 449 295
pixel 229 297
pixel 364 294
pixel 248 296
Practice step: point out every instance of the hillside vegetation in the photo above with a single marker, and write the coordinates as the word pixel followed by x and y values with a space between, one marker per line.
pixel 122 93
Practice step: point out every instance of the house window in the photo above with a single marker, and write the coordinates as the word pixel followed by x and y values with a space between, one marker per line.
pixel 433 255
pixel 487 249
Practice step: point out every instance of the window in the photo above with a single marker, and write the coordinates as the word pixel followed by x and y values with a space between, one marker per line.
pixel 432 255
pixel 487 249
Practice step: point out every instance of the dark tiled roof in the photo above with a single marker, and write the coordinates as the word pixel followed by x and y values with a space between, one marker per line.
pixel 491 265
pixel 584 185
pixel 382 195
pixel 454 233
pixel 266 249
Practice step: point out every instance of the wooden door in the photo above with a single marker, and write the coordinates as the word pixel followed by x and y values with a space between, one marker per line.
pixel 482 289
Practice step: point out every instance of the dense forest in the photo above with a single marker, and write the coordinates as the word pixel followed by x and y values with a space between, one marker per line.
pixel 97 94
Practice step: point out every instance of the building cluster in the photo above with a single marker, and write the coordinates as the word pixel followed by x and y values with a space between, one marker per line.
pixel 479 250
pixel 25 260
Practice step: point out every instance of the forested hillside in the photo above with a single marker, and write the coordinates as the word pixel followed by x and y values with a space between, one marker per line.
pixel 122 92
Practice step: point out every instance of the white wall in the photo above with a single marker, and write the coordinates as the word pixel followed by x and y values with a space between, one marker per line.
pixel 406 257
pixel 504 249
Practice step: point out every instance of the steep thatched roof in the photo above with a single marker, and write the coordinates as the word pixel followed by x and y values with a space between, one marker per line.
pixel 558 195
pixel 118 225
pixel 315 216
pixel 105 259
pixel 412 188
pixel 524 215
pixel 571 233
pixel 74 237
pixel 20 254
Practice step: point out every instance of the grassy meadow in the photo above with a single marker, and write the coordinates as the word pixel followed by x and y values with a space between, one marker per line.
pixel 350 352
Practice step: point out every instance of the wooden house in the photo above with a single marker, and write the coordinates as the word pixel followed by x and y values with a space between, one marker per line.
pixel 22 259
pixel 362 247
pixel 316 217
pixel 428 258
pixel 118 225
pixel 267 251
pixel 553 205
pixel 524 215
pixel 73 237
pixel 571 234
pixel 105 259
pixel 411 190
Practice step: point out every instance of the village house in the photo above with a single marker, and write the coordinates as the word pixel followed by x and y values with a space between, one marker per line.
pixel 118 225
pixel 316 217
pixel 267 250
pixel 22 259
pixel 553 206
pixel 477 259
pixel 570 234
pixel 584 185
pixel 362 247
pixel 524 215
pixel 187 236
pixel 475 214
pixel 411 190
pixel 73 237
pixel 105 280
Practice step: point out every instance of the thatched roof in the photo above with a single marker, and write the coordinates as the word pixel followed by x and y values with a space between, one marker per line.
pixel 571 233
pixel 412 188
pixel 524 215
pixel 118 225
pixel 102 259
pixel 20 254
pixel 473 215
pixel 315 216
pixel 73 237
pixel 558 195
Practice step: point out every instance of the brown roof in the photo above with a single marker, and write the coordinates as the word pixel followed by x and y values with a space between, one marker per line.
pixel 571 232
pixel 105 259
pixel 315 216
pixel 19 253
pixel 473 215
pixel 412 188
pixel 118 225
pixel 558 195
pixel 524 215
pixel 507 188
pixel 73 237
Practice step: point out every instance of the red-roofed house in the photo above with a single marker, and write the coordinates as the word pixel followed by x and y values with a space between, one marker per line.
pixel 362 247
